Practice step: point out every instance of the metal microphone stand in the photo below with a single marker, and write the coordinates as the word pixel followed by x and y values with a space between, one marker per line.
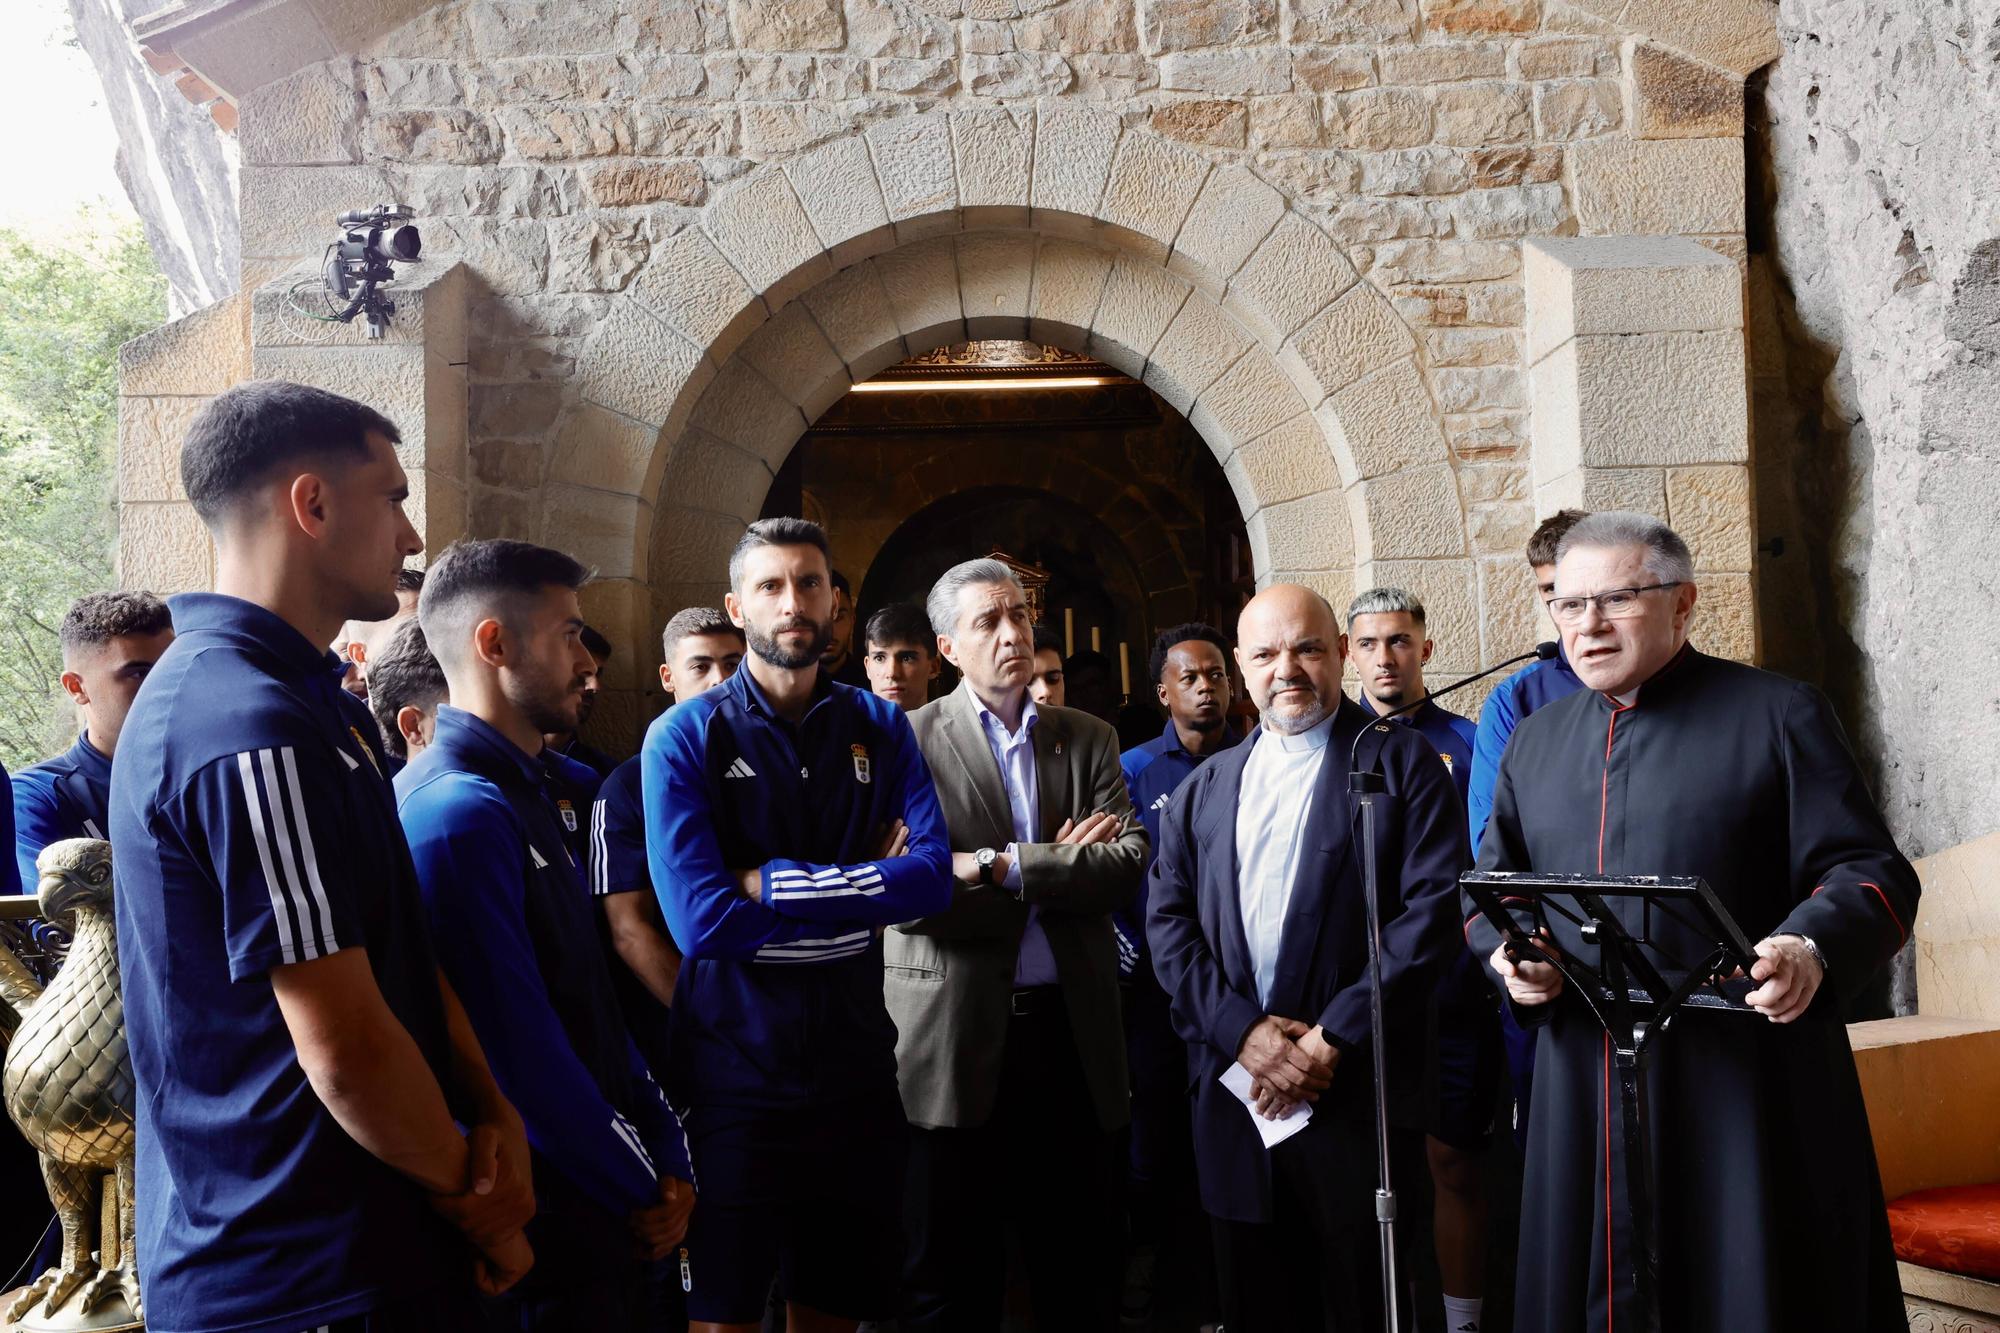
pixel 1365 787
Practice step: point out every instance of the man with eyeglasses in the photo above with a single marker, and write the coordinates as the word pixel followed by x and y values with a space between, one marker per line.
pixel 1671 762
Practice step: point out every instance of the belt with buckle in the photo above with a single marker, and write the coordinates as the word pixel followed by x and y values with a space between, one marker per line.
pixel 1032 1000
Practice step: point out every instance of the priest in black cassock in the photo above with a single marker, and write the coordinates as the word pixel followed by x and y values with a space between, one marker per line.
pixel 1769 1209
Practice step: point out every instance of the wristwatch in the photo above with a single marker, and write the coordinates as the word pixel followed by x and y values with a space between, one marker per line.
pixel 985 856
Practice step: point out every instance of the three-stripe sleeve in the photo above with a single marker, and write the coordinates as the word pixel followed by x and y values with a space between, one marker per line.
pixel 269 815
pixel 618 835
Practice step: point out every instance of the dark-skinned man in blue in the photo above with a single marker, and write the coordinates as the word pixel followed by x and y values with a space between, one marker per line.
pixel 776 806
pixel 299 1059
pixel 1189 668
pixel 518 935
pixel 1257 924
pixel 1388 645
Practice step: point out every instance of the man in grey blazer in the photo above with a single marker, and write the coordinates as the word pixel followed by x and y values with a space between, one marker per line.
pixel 1011 1053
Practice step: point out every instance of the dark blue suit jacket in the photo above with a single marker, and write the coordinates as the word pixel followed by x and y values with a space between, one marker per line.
pixel 1195 928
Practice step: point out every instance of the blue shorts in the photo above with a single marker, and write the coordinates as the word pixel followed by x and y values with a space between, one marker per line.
pixel 813 1198
pixel 1469 1057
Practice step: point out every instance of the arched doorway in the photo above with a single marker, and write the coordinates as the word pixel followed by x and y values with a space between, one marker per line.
pixel 1050 456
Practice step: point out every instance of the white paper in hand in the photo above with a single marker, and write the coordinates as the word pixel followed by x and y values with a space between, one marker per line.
pixel 1274 1132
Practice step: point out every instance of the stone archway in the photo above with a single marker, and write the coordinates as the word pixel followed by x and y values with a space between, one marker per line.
pixel 1058 225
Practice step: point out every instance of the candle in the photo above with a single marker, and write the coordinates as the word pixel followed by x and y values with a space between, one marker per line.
pixel 1124 669
pixel 1069 631
pixel 1096 643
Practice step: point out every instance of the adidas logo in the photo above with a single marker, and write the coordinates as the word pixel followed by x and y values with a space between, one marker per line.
pixel 1161 804
pixel 739 769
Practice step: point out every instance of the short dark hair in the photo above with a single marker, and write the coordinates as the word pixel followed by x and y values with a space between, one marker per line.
pixel 900 622
pixel 1048 641
pixel 840 583
pixel 692 620
pixel 776 532
pixel 1086 659
pixel 474 579
pixel 1548 535
pixel 405 674
pixel 99 617
pixel 1167 638
pixel 409 579
pixel 596 644
pixel 246 434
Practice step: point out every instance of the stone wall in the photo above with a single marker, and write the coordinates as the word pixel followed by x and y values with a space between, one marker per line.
pixel 1879 155
pixel 689 228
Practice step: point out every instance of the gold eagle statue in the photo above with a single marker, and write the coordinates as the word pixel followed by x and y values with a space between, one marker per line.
pixel 67 1084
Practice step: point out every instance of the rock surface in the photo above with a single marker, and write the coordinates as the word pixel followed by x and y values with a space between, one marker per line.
pixel 178 167
pixel 1879 139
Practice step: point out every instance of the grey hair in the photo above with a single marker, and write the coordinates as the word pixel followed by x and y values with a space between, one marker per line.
pixel 1667 557
pixel 942 605
pixel 1385 601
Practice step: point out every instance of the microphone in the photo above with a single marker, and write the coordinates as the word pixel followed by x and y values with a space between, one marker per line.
pixel 1364 788
pixel 1542 652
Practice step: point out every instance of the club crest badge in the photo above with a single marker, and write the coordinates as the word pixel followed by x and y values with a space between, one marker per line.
pixel 367 751
pixel 568 813
pixel 861 769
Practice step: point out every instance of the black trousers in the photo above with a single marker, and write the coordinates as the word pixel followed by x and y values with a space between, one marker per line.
pixel 1317 1264
pixel 1041 1171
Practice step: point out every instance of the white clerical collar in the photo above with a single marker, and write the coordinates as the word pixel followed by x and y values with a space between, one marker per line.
pixel 1312 738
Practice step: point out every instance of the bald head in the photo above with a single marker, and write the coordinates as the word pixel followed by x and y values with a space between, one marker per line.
pixel 1288 646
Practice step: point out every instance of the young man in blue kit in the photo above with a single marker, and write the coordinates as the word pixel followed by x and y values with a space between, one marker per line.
pixel 517 936
pixel 1388 646
pixel 299 1060
pixel 110 641
pixel 700 649
pixel 773 804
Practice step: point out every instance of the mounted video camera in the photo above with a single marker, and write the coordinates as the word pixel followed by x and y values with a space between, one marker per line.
pixel 377 239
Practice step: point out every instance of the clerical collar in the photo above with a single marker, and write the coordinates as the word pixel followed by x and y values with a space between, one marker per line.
pixel 1312 738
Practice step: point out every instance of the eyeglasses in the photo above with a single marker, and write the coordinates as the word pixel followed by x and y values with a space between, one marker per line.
pixel 1614 605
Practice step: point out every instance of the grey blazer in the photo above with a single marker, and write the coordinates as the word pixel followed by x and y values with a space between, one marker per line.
pixel 949 978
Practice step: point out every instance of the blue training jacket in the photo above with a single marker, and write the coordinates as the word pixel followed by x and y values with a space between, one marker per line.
pixel 1536 685
pixel 67 796
pixel 779 1004
pixel 518 938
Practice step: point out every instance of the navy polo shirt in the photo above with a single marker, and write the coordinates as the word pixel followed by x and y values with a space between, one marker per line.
pixel 572 789
pixel 779 1005
pixel 617 864
pixel 64 797
pixel 1449 734
pixel 518 938
pixel 252 826
pixel 1153 772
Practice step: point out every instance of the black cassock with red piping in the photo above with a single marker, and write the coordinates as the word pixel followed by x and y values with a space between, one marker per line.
pixel 1768 1205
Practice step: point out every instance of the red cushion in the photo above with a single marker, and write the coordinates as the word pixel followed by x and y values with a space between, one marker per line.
pixel 1955 1229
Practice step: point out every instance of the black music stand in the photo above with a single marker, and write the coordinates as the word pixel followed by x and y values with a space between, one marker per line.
pixel 1631 996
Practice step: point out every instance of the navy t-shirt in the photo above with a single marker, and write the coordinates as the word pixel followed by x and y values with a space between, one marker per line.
pixel 63 797
pixel 1153 773
pixel 252 825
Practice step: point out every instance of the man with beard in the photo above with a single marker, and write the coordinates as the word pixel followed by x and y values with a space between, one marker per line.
pixel 1259 935
pixel 1189 669
pixel 299 1060
pixel 1389 645
pixel 775 804
pixel 570 744
pixel 1768 1207
pixel 518 938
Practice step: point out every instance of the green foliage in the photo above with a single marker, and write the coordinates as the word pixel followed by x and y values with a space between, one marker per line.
pixel 64 310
